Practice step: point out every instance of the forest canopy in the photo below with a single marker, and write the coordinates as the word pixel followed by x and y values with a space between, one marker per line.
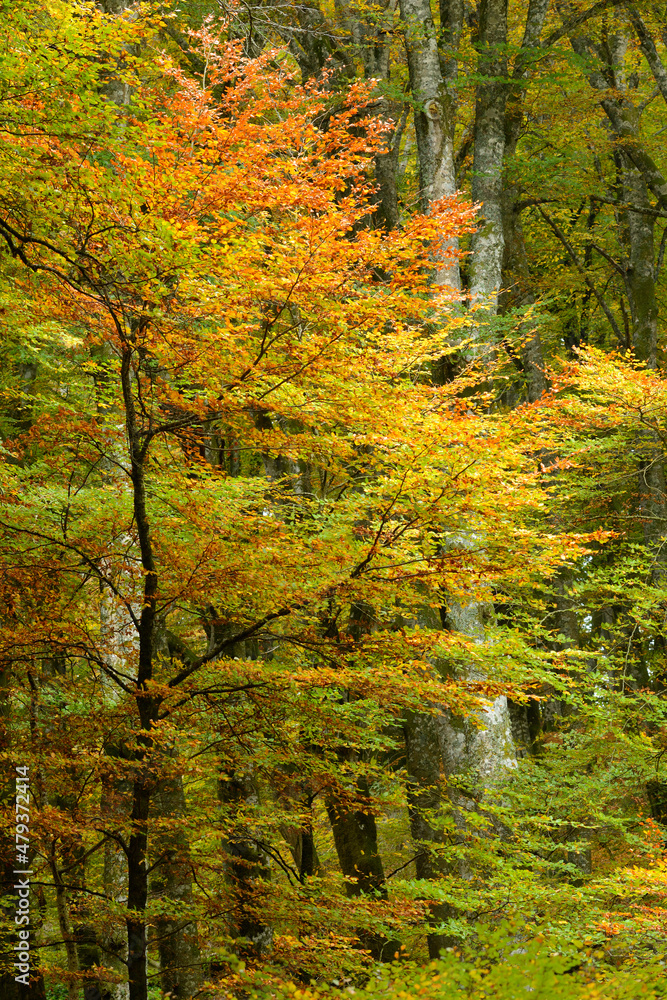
pixel 332 500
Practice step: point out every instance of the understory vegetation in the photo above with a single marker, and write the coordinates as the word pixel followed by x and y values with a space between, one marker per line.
pixel 333 579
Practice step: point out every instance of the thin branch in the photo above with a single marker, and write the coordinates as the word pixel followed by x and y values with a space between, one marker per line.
pixel 231 641
pixel 627 207
pixel 558 232
pixel 76 888
pixel 80 860
pixel 603 253
pixel 228 690
pixel 420 854
pixel 360 567
pixel 648 48
pixel 275 854
pixel 531 202
pixel 598 8
pixel 82 555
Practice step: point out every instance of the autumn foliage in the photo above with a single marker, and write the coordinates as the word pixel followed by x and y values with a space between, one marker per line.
pixel 235 508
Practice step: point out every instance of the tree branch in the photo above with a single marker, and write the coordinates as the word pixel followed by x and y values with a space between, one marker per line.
pixel 648 48
pixel 558 232
pixel 598 8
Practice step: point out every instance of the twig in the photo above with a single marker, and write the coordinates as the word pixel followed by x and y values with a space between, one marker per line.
pixel 558 232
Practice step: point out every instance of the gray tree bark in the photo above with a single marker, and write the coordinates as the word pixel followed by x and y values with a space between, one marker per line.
pixel 482 746
pixel 489 140
pixel 640 267
pixel 435 106
pixel 639 175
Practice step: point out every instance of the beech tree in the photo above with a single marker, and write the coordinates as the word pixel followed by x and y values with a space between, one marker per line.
pixel 332 594
pixel 199 251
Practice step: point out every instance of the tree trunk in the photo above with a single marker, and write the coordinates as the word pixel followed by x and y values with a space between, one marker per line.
pixel 114 948
pixel 248 867
pixel 247 863
pixel 355 836
pixel 639 174
pixel 108 946
pixel 426 808
pixel 434 114
pixel 515 274
pixel 147 704
pixel 177 943
pixel 489 138
pixel 479 750
pixel 640 269
pixel 299 836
